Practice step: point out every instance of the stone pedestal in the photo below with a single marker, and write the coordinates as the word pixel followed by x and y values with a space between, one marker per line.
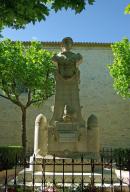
pixel 67 139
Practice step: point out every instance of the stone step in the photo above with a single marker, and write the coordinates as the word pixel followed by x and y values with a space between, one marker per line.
pixel 68 177
pixel 59 164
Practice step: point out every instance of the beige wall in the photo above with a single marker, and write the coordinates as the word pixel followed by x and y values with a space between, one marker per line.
pixel 96 96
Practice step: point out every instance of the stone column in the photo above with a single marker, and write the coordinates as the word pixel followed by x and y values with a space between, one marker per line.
pixel 92 135
pixel 41 136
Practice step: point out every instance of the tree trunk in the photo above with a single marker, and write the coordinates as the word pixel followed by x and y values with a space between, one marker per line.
pixel 24 139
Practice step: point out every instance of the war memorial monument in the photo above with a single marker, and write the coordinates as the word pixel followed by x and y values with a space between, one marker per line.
pixel 66 134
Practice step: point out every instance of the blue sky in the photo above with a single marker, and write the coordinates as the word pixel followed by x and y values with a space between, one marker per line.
pixel 104 21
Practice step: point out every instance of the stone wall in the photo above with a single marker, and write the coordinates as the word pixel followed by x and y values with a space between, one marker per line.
pixel 97 97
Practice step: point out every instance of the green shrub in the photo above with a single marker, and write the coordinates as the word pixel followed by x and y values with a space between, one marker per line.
pixel 9 155
pixel 119 156
pixel 19 189
pixel 122 158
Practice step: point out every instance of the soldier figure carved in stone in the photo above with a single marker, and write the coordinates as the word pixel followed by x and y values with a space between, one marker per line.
pixel 67 83
pixel 67 62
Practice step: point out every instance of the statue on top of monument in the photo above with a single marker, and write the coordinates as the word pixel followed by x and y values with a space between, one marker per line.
pixel 67 62
pixel 67 83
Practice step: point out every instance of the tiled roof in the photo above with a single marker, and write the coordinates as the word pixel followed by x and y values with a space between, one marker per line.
pixel 76 44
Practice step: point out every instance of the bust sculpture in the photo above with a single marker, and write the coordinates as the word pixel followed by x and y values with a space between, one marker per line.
pixel 67 83
pixel 67 62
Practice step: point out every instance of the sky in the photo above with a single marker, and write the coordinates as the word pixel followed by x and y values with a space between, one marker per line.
pixel 102 22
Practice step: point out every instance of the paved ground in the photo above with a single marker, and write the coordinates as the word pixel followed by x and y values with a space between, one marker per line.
pixel 10 173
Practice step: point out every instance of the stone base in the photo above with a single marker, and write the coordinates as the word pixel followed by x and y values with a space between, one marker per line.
pixel 68 139
pixel 76 170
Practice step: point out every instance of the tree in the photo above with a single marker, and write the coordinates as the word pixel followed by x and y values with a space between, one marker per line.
pixel 27 67
pixel 18 13
pixel 127 9
pixel 120 69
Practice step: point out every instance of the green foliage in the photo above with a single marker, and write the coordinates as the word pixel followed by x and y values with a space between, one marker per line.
pixel 77 5
pixel 127 9
pixel 8 155
pixel 1 31
pixel 122 158
pixel 27 66
pixel 120 69
pixel 18 13
pixel 20 189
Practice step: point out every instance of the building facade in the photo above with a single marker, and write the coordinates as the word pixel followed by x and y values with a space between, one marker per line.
pixel 97 97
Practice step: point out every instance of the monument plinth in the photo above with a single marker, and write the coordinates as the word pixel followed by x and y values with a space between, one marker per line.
pixel 66 135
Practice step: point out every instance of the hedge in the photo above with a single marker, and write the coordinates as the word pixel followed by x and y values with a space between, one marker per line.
pixel 119 156
pixel 9 155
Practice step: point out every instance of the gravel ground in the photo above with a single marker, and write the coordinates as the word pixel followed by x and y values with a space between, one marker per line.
pixel 10 175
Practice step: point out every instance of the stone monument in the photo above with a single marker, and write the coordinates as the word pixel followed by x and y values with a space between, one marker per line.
pixel 66 135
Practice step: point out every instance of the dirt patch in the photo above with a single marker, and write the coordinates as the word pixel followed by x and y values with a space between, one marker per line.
pixel 10 174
